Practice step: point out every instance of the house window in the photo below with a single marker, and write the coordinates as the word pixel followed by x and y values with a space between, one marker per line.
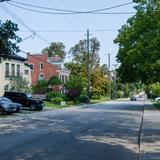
pixel 32 66
pixel 13 70
pixel 26 72
pixel 7 70
pixel 18 70
pixel 41 66
pixel 6 87
pixel 41 76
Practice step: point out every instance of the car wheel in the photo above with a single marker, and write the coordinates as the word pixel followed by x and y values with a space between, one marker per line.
pixel 1 110
pixel 33 108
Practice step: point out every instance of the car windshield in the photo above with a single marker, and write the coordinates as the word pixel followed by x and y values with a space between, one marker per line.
pixel 29 95
pixel 6 99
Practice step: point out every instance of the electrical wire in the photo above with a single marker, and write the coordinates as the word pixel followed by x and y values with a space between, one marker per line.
pixel 66 11
pixel 66 17
pixel 74 16
pixel 14 16
pixel 72 31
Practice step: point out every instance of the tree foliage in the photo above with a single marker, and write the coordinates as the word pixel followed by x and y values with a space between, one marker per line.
pixel 19 84
pixel 54 81
pixel 79 65
pixel 139 41
pixel 8 38
pixel 41 87
pixel 55 49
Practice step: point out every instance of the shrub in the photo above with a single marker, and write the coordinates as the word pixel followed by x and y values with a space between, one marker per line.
pixel 83 99
pixel 56 100
pixel 73 94
pixel 53 95
pixel 120 94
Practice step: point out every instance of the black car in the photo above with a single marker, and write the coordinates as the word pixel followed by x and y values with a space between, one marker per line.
pixel 25 99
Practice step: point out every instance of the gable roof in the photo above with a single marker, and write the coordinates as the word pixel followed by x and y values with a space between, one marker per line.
pixel 15 57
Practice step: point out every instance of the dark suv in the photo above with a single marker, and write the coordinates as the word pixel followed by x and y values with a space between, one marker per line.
pixel 25 99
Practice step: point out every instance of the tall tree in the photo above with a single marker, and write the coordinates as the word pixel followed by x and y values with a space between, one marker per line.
pixel 8 38
pixel 79 52
pixel 55 49
pixel 79 65
pixel 139 41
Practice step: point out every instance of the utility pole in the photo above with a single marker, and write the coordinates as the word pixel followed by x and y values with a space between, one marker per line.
pixel 109 86
pixel 88 67
pixel 109 64
pixel 115 80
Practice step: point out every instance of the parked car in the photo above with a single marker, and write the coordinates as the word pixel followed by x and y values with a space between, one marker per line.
pixel 18 105
pixel 25 99
pixel 7 107
pixel 134 98
pixel 157 99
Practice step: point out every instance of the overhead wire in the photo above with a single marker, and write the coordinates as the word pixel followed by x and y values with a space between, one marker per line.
pixel 66 17
pixel 74 16
pixel 18 19
pixel 72 31
pixel 65 12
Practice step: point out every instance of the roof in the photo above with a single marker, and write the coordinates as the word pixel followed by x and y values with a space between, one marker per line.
pixel 15 57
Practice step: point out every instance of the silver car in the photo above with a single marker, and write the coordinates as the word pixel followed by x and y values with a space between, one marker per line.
pixel 7 107
pixel 18 105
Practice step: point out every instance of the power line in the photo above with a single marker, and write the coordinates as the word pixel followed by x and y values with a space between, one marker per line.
pixel 74 16
pixel 72 31
pixel 22 23
pixel 67 19
pixel 66 12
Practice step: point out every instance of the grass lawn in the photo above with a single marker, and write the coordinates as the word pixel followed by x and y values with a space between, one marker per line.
pixel 56 106
pixel 70 104
pixel 102 99
pixel 157 105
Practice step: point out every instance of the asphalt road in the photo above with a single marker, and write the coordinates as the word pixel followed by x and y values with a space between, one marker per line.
pixel 107 131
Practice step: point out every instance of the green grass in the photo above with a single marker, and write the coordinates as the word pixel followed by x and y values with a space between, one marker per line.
pixel 157 105
pixel 102 99
pixel 70 103
pixel 56 106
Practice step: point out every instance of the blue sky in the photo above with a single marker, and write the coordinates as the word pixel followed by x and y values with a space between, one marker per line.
pixel 80 22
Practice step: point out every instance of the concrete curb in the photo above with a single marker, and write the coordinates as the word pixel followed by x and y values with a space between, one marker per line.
pixel 150 136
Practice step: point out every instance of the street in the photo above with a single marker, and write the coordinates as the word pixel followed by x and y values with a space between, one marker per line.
pixel 106 131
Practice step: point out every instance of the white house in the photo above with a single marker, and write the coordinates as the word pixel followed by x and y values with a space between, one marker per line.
pixel 13 66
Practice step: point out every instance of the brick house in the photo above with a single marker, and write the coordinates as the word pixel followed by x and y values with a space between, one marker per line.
pixel 42 68
pixel 14 65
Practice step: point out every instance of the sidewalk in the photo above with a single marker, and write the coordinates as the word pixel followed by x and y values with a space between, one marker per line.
pixel 150 137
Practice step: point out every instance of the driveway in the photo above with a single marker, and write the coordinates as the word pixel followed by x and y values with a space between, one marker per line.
pixel 107 131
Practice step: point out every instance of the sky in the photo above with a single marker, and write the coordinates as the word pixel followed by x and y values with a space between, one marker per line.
pixel 68 29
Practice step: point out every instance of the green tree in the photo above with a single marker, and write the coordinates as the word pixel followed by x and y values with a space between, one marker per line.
pixel 8 39
pixel 139 47
pixel 54 81
pixel 19 84
pixel 78 67
pixel 55 49
pixel 41 87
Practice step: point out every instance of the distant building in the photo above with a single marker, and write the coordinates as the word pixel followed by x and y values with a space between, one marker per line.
pixel 14 65
pixel 44 68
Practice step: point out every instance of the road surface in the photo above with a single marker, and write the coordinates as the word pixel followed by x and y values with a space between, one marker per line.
pixel 107 131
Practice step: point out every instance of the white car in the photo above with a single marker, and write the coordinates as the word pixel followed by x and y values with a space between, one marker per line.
pixel 157 99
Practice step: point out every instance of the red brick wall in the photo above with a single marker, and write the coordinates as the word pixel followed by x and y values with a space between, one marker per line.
pixel 48 70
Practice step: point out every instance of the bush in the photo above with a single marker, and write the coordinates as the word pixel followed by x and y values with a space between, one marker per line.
pixel 73 94
pixel 51 95
pixel 56 100
pixel 56 95
pixel 95 95
pixel 83 99
pixel 120 94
